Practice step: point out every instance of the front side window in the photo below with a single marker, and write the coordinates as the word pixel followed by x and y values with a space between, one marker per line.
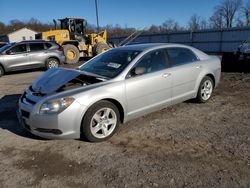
pixel 150 62
pixel 111 63
pixel 36 47
pixel 20 48
pixel 180 56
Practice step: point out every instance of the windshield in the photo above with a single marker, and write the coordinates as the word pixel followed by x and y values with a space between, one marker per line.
pixel 111 63
pixel 5 47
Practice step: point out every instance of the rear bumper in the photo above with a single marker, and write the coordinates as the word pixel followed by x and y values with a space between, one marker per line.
pixel 62 59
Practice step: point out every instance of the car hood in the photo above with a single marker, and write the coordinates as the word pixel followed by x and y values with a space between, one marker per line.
pixel 53 79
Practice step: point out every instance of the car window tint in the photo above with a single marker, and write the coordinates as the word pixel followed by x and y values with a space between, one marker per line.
pixel 179 56
pixel 2 44
pixel 48 45
pixel 36 46
pixel 152 61
pixel 19 48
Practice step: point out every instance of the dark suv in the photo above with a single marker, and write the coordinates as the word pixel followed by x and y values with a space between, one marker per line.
pixel 30 54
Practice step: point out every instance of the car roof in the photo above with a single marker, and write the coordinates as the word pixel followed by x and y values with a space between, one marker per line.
pixel 31 41
pixel 147 46
pixel 152 46
pixel 34 41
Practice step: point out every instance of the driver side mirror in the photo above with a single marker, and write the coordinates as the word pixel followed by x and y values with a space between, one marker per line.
pixel 137 71
pixel 140 70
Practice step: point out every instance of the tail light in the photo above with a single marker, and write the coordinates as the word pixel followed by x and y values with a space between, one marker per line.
pixel 60 48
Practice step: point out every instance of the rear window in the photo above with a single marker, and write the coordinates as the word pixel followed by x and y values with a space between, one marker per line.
pixel 36 46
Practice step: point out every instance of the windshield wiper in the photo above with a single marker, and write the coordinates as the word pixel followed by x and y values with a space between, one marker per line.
pixel 95 75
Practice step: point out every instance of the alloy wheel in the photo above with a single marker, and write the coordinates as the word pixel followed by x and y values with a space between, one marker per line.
pixel 206 90
pixel 103 123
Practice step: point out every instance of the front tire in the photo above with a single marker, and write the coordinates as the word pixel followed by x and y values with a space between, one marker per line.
pixel 100 121
pixel 205 89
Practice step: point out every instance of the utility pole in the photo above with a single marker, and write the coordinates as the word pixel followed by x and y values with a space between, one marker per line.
pixel 97 18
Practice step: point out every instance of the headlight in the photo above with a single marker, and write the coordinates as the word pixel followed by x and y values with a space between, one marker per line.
pixel 56 105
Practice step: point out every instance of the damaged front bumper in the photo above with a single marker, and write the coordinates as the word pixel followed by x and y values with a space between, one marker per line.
pixel 65 125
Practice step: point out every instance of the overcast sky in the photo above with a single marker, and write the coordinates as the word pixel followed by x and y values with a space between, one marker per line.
pixel 130 13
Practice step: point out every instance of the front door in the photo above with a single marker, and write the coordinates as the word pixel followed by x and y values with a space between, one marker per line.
pixel 151 90
pixel 17 57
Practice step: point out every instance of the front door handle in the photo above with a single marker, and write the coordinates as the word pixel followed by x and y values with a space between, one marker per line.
pixel 198 66
pixel 165 75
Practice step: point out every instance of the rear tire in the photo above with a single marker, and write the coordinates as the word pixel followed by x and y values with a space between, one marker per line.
pixel 52 63
pixel 100 121
pixel 71 53
pixel 205 90
pixel 1 71
pixel 100 47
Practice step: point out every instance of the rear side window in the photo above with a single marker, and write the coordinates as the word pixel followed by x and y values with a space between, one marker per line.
pixel 180 56
pixel 36 47
pixel 20 48
pixel 48 45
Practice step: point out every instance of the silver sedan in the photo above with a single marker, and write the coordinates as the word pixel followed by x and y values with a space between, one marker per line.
pixel 114 87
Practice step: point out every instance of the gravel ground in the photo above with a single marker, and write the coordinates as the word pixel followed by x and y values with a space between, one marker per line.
pixel 187 145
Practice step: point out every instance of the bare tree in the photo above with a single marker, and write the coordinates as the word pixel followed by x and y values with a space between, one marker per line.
pixel 227 9
pixel 194 23
pixel 216 20
pixel 153 29
pixel 2 28
pixel 246 13
pixel 170 25
pixel 204 24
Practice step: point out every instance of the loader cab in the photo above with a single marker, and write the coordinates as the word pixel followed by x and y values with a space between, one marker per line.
pixel 74 25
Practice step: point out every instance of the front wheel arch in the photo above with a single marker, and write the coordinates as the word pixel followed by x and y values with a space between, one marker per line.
pixel 84 130
pixel 115 102
pixel 119 106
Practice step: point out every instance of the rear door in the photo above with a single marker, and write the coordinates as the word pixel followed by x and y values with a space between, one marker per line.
pixel 17 58
pixel 185 68
pixel 38 54
pixel 152 90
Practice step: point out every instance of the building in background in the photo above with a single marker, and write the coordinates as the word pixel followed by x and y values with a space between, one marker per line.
pixel 19 35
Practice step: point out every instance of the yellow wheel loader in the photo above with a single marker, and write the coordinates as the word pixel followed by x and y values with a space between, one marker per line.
pixel 75 41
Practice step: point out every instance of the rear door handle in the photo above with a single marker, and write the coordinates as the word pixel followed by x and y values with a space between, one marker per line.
pixel 165 75
pixel 25 54
pixel 198 66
